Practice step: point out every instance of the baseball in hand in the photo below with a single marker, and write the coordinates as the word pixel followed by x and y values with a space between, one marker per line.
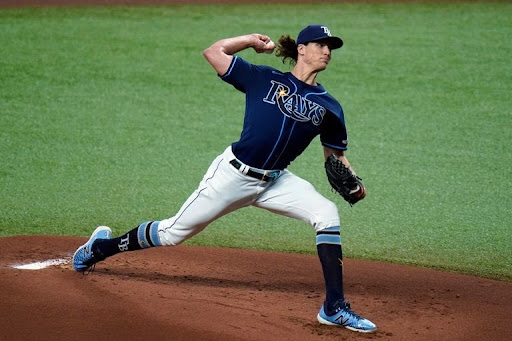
pixel 270 46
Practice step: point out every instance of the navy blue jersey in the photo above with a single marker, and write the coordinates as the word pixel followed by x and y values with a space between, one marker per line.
pixel 282 116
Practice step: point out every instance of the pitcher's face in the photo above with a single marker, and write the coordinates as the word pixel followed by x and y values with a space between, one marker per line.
pixel 316 54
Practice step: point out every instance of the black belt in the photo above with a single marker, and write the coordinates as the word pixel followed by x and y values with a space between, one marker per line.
pixel 267 176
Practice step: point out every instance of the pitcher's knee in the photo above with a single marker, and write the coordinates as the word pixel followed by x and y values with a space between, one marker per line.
pixel 170 232
pixel 327 216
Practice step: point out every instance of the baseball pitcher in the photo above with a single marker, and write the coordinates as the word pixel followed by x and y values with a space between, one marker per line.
pixel 284 112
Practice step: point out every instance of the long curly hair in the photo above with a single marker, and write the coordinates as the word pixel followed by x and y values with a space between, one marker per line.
pixel 286 48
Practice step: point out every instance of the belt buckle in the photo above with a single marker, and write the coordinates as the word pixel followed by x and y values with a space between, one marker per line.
pixel 272 175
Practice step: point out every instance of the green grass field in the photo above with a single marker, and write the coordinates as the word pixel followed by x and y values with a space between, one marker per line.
pixel 110 115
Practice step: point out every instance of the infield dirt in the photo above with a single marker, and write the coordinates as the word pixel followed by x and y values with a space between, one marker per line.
pixel 204 293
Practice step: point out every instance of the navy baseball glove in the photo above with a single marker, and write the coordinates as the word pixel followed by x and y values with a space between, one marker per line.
pixel 344 181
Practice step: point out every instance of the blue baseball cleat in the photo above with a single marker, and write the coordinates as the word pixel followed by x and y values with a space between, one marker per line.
pixel 345 317
pixel 84 258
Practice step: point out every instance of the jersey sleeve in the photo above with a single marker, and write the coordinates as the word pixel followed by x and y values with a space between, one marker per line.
pixel 333 131
pixel 241 74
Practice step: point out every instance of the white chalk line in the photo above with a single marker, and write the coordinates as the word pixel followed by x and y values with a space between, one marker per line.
pixel 42 264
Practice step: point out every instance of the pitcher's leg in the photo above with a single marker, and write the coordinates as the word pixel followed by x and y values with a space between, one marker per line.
pixel 294 197
pixel 328 245
pixel 221 191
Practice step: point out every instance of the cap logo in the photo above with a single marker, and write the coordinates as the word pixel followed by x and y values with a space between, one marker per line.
pixel 326 30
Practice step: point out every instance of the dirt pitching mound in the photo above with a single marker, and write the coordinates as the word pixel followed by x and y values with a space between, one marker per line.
pixel 202 293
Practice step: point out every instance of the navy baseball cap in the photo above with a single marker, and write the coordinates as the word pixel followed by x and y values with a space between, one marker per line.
pixel 318 32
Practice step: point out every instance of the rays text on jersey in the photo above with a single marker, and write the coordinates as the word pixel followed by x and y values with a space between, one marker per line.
pixel 294 105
